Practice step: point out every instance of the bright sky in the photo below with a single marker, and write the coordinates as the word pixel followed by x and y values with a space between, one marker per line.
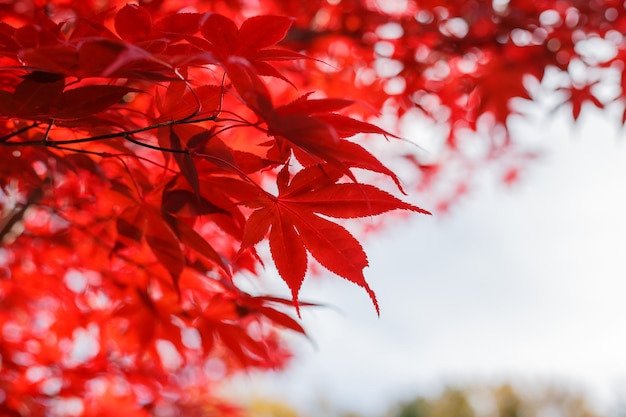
pixel 524 283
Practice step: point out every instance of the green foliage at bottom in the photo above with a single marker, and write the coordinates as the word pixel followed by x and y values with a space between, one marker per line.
pixel 503 400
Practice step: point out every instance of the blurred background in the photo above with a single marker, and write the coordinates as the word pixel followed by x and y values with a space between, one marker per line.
pixel 515 295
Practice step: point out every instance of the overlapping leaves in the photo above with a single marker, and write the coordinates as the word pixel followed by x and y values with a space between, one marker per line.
pixel 146 144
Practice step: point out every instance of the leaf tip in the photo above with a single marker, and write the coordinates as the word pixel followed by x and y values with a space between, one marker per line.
pixel 296 302
pixel 421 210
pixel 372 295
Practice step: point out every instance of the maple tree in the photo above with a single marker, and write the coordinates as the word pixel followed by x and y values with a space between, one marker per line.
pixel 148 149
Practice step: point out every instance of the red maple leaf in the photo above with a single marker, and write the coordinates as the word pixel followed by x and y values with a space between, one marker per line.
pixel 255 40
pixel 296 227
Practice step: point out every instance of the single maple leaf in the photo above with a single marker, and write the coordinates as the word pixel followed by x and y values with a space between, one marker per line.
pixel 296 227
pixel 255 40
pixel 251 45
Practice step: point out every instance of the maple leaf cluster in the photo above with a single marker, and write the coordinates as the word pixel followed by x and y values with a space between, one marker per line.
pixel 146 154
pixel 464 67
pixel 148 149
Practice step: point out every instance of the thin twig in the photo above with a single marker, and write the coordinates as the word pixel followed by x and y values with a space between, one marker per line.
pixel 106 136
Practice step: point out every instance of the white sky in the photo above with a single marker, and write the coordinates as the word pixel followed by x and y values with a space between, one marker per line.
pixel 525 284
